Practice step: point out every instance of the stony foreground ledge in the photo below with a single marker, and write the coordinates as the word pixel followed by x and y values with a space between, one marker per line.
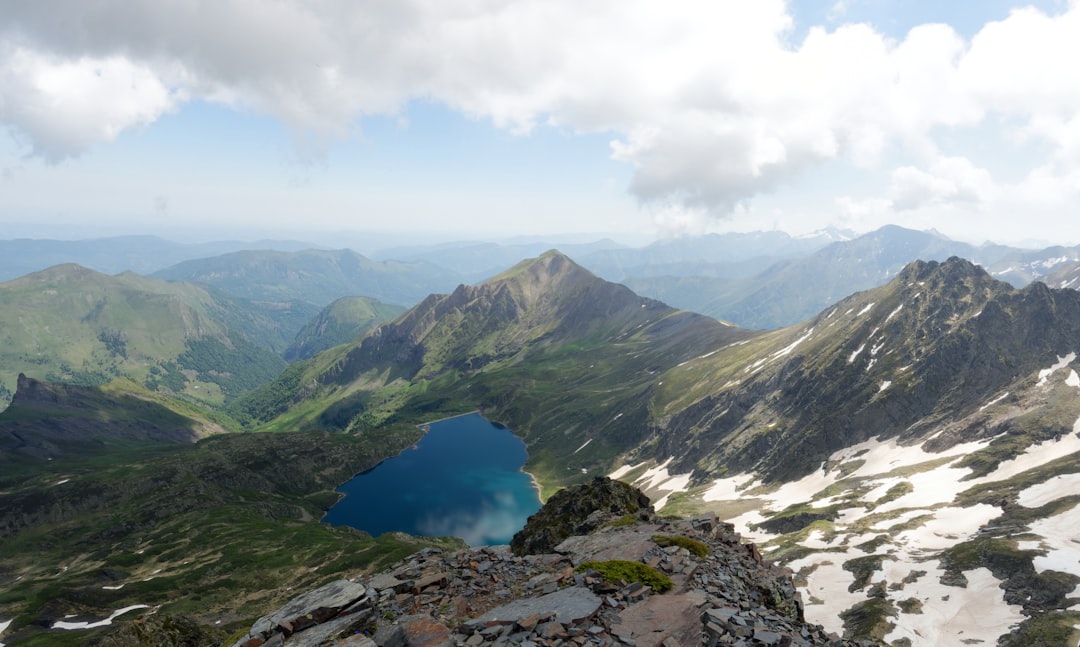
pixel 489 596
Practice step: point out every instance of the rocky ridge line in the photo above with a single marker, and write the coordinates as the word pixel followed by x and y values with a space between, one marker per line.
pixel 488 596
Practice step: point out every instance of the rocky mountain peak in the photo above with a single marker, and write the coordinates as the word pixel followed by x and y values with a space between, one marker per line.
pixel 580 510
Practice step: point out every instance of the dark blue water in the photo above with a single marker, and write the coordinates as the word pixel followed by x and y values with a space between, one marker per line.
pixel 462 479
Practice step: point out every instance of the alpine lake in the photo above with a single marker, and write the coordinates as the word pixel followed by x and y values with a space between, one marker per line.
pixel 462 479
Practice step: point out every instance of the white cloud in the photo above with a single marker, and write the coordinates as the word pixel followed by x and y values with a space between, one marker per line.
pixel 64 106
pixel 950 179
pixel 711 103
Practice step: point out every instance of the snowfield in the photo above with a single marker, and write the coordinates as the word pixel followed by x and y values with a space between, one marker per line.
pixel 900 502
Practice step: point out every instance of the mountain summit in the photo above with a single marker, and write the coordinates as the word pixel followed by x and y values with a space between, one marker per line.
pixel 564 356
pixel 893 361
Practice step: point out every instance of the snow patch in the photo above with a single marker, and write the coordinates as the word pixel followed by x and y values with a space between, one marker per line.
pixel 1061 363
pixel 625 469
pixel 1059 538
pixel 828 585
pixel 851 360
pixel 994 401
pixel 60 624
pixel 895 312
pixel 787 349
pixel 1073 379
pixel 728 489
pixel 864 310
pixel 658 480
pixel 884 385
pixel 1042 493
pixel 113 588
pixel 586 444
pixel 952 615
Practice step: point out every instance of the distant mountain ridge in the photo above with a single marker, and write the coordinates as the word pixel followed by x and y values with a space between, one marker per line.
pixel 113 255
pixel 71 324
pixel 793 289
pixel 318 277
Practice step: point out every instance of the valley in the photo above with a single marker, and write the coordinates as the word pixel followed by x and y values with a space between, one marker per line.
pixel 909 451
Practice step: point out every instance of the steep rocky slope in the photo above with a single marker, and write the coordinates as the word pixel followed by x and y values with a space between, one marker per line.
pixel 681 583
pixel 914 447
pixel 927 349
pixel 565 358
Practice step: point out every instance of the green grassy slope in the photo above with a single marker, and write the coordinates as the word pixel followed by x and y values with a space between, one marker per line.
pixel 222 530
pixel 341 322
pixel 561 356
pixel 78 326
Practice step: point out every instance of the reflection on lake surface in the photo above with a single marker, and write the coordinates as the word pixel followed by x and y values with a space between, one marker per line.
pixel 462 479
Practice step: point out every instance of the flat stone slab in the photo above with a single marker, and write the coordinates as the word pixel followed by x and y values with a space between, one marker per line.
pixel 569 605
pixel 334 595
pixel 321 634
pixel 604 546
pixel 660 617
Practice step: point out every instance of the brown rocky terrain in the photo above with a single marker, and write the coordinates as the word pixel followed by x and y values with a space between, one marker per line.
pixel 721 593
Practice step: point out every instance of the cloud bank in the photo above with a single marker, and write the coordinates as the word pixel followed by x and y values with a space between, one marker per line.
pixel 711 103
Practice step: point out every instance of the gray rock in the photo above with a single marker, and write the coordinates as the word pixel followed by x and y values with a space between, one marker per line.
pixel 390 636
pixel 569 605
pixel 319 634
pixel 334 595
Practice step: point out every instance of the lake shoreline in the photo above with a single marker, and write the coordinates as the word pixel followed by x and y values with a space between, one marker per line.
pixel 467 479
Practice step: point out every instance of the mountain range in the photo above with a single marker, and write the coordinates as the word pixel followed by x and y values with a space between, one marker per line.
pixel 909 451
pixel 970 375
pixel 314 276
pixel 71 324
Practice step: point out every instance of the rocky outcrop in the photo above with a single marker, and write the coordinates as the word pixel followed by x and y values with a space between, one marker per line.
pixel 578 511
pixel 489 596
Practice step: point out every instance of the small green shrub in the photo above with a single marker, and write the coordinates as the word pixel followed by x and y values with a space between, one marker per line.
pixel 620 570
pixel 699 548
pixel 625 520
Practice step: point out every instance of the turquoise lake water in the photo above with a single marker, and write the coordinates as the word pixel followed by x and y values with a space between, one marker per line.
pixel 462 479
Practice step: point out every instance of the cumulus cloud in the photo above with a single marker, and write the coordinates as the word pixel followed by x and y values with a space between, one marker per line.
pixel 948 180
pixel 63 106
pixel 710 103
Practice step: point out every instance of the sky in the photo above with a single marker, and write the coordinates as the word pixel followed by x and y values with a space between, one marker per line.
pixel 637 119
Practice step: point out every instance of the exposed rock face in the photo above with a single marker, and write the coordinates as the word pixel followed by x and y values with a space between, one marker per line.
pixel 161 631
pixel 578 511
pixel 488 596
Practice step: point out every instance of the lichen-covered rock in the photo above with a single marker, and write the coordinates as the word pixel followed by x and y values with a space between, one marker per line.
pixel 578 511
pixel 161 631
pixel 487 597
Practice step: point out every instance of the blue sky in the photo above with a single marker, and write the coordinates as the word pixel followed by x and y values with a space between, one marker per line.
pixel 487 118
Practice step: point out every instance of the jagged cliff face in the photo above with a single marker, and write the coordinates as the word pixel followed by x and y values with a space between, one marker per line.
pixel 547 302
pixel 900 360
pixel 566 359
pixel 915 446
